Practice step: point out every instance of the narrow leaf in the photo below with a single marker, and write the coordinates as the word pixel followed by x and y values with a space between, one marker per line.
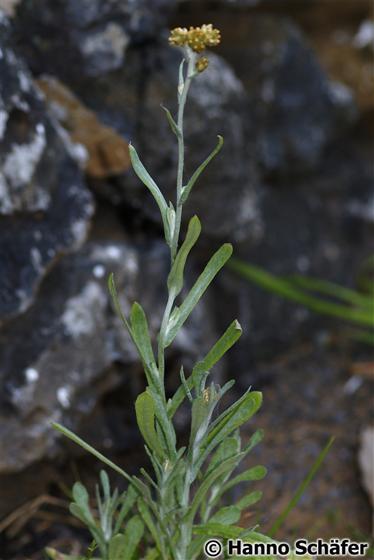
pixel 249 500
pixel 117 306
pixel 227 515
pixel 171 121
pixel 145 417
pixel 147 180
pixel 133 535
pixel 117 548
pixel 235 417
pixel 227 340
pixel 91 450
pixel 210 271
pixel 287 289
pixel 175 279
pixel 187 189
pixel 250 475
pixel 139 327
pixel 301 488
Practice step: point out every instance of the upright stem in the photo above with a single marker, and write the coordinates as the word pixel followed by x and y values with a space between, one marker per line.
pixel 184 86
pixel 182 97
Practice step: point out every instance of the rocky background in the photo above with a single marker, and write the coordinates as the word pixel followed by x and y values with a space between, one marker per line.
pixel 291 91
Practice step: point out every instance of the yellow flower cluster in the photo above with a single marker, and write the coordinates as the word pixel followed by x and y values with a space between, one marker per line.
pixel 197 38
pixel 201 64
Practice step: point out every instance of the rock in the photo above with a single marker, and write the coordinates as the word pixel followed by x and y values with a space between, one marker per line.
pixel 107 151
pixel 57 359
pixel 45 208
pixel 127 98
pixel 8 6
pixel 87 37
pixel 313 226
pixel 296 111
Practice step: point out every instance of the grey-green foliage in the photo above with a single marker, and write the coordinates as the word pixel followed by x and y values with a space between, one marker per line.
pixel 167 514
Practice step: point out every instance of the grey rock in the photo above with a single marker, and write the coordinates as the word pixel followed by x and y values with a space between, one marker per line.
pixel 55 359
pixel 45 208
pixel 127 97
pixel 87 37
pixel 295 110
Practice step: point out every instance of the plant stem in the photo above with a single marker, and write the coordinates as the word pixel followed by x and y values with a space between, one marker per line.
pixel 184 84
pixel 182 97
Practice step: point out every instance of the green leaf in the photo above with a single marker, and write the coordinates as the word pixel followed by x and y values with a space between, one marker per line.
pixel 145 417
pixel 128 500
pixel 202 408
pixel 117 548
pixel 149 522
pixel 206 483
pixel 234 417
pixel 301 488
pixel 287 289
pixel 228 448
pixel 117 306
pixel 227 340
pixel 175 279
pixel 53 554
pixel 180 315
pixel 139 327
pixel 250 475
pixel 91 450
pixel 249 500
pixel 227 515
pixel 105 484
pixel 172 123
pixel 147 180
pixel 123 547
pixel 187 189
pixel 335 290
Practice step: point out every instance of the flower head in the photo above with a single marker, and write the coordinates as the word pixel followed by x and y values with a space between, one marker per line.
pixel 197 38
pixel 178 36
pixel 201 64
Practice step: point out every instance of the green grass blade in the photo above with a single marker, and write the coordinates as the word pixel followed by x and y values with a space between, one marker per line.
pixel 286 289
pixel 91 450
pixel 301 489
pixel 335 290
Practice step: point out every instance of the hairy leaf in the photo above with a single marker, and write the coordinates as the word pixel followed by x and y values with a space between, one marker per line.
pixel 147 180
pixel 187 189
pixel 145 417
pixel 180 315
pixel 175 279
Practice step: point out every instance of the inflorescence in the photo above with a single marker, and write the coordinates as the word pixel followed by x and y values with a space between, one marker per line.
pixel 197 39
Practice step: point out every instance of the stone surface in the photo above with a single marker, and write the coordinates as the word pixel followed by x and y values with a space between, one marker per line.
pixel 87 37
pixel 45 208
pixel 296 111
pixel 127 98
pixel 107 151
pixel 55 358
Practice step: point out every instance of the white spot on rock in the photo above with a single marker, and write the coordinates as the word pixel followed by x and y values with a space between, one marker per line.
pixel 31 375
pixel 112 41
pixel 79 317
pixel 99 271
pixel 63 395
pixel 22 160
